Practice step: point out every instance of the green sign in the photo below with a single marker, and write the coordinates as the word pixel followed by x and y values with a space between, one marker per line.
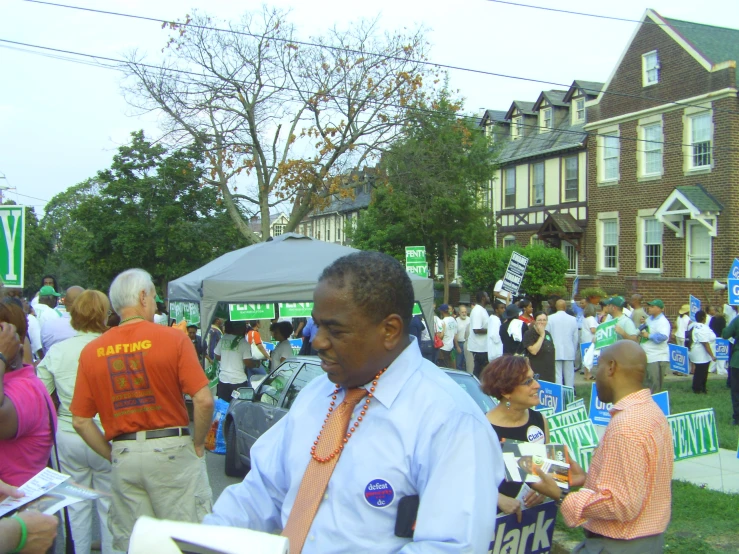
pixel 415 254
pixel 570 416
pixel 12 250
pixel 295 309
pixel 546 412
pixel 575 403
pixel 189 311
pixel 605 334
pixel 246 312
pixel 416 309
pixel 421 269
pixel 694 433
pixel 580 438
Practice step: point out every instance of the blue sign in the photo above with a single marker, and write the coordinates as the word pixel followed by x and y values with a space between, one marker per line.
pixel 733 291
pixel 679 359
pixel 734 271
pixel 695 306
pixel 662 399
pixel 533 535
pixel 599 413
pixel 722 349
pixel 551 395
pixel 596 353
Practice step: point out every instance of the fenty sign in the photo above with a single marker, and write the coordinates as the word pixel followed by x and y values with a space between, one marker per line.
pixel 12 251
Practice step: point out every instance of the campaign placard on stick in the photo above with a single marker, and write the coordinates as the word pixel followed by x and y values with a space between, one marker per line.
pixel 596 353
pixel 245 312
pixel 546 412
pixel 693 433
pixel 12 252
pixel 415 261
pixel 189 311
pixel 514 273
pixel 552 395
pixel 600 411
pixel 662 399
pixel 605 334
pixel 295 309
pixel 733 286
pixel 734 271
pixel 580 438
pixel 580 402
pixel 695 306
pixel 567 417
pixel 722 349
pixel 533 535
pixel 679 359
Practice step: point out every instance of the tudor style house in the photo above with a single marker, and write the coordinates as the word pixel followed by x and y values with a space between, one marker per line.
pixel 663 165
pixel 539 192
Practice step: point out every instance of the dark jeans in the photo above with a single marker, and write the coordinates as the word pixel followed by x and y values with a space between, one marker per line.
pixel 461 361
pixel 735 391
pixel 481 360
pixel 444 359
pixel 224 390
pixel 700 377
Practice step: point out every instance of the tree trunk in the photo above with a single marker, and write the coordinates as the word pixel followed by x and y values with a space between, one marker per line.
pixel 445 255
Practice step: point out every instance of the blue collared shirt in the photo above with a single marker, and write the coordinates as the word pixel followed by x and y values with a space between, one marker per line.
pixel 422 435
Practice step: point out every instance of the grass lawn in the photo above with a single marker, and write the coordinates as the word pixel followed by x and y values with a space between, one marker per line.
pixel 703 521
pixel 682 399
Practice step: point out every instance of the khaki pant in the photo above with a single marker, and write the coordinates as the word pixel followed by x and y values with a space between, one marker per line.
pixel 654 374
pixel 161 478
pixel 601 545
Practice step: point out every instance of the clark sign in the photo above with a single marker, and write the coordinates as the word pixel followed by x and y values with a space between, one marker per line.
pixel 533 535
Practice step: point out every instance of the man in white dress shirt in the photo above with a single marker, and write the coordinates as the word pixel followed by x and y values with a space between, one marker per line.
pixel 563 328
pixel 413 430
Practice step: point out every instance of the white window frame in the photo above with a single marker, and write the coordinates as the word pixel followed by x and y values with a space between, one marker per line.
pixel 546 120
pixel 507 172
pixel 650 68
pixel 535 185
pixel 509 240
pixel 578 110
pixel 605 136
pixel 576 157
pixel 646 147
pixel 644 242
pixel 535 240
pixel 572 255
pixel 606 218
pixel 691 144
pixel 278 229
pixel 517 127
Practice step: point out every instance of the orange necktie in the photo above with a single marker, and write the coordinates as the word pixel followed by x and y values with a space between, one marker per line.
pixel 317 475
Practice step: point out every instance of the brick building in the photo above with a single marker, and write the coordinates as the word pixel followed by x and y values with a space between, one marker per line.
pixel 663 165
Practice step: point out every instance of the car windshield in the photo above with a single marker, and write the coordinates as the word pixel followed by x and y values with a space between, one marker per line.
pixel 472 387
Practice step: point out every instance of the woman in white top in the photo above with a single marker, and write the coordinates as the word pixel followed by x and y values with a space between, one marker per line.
pixel 234 355
pixel 587 333
pixel 701 351
pixel 58 371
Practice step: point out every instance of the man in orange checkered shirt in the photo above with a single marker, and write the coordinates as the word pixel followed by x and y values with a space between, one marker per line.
pixel 624 506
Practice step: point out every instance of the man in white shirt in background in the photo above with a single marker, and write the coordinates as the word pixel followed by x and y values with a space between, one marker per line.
pixel 654 341
pixel 448 337
pixel 57 329
pixel 682 324
pixel 495 343
pixel 463 329
pixel 500 294
pixel 477 343
pixel 565 334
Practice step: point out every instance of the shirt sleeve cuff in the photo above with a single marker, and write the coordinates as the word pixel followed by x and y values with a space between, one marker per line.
pixel 573 506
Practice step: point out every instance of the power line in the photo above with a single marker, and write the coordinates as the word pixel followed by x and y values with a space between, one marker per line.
pixel 337 96
pixel 363 53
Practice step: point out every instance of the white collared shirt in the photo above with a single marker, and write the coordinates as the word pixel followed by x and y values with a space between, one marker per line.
pixel 422 435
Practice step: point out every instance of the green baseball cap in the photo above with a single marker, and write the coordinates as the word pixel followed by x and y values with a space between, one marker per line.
pixel 617 301
pixel 48 291
pixel 657 302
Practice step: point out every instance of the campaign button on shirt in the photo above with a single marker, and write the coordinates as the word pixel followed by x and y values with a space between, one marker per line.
pixel 535 434
pixel 379 493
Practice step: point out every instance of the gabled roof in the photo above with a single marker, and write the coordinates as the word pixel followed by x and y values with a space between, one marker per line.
pixel 564 136
pixel 591 89
pixel 716 44
pixel 700 198
pixel 360 200
pixel 494 116
pixel 554 97
pixel 689 201
pixel 527 108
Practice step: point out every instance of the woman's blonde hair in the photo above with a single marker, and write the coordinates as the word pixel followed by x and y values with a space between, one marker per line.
pixel 90 312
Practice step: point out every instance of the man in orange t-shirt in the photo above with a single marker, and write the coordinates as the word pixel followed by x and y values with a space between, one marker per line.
pixel 134 377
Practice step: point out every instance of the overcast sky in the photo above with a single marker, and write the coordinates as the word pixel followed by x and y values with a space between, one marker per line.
pixel 61 122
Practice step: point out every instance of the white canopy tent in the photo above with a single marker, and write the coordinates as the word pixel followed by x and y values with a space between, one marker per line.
pixel 285 269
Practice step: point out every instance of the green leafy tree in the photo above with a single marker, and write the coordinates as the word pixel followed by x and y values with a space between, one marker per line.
pixel 547 267
pixel 148 210
pixel 434 177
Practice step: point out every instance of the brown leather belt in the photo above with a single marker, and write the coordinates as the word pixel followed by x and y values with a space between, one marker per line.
pixel 158 434
pixel 590 535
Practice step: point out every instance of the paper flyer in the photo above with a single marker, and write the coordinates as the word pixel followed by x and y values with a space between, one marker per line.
pixel 521 459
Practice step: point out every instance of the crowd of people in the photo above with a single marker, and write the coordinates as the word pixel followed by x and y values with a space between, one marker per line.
pixel 103 380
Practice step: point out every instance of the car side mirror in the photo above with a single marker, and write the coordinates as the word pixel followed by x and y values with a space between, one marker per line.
pixel 243 393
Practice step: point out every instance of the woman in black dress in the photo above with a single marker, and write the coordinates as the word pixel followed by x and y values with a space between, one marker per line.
pixel 540 348
pixel 511 380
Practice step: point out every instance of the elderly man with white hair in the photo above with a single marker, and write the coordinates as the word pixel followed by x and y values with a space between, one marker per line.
pixel 134 377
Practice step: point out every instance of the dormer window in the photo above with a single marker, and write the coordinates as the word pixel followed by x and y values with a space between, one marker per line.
pixel 517 127
pixel 650 68
pixel 578 110
pixel 546 120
